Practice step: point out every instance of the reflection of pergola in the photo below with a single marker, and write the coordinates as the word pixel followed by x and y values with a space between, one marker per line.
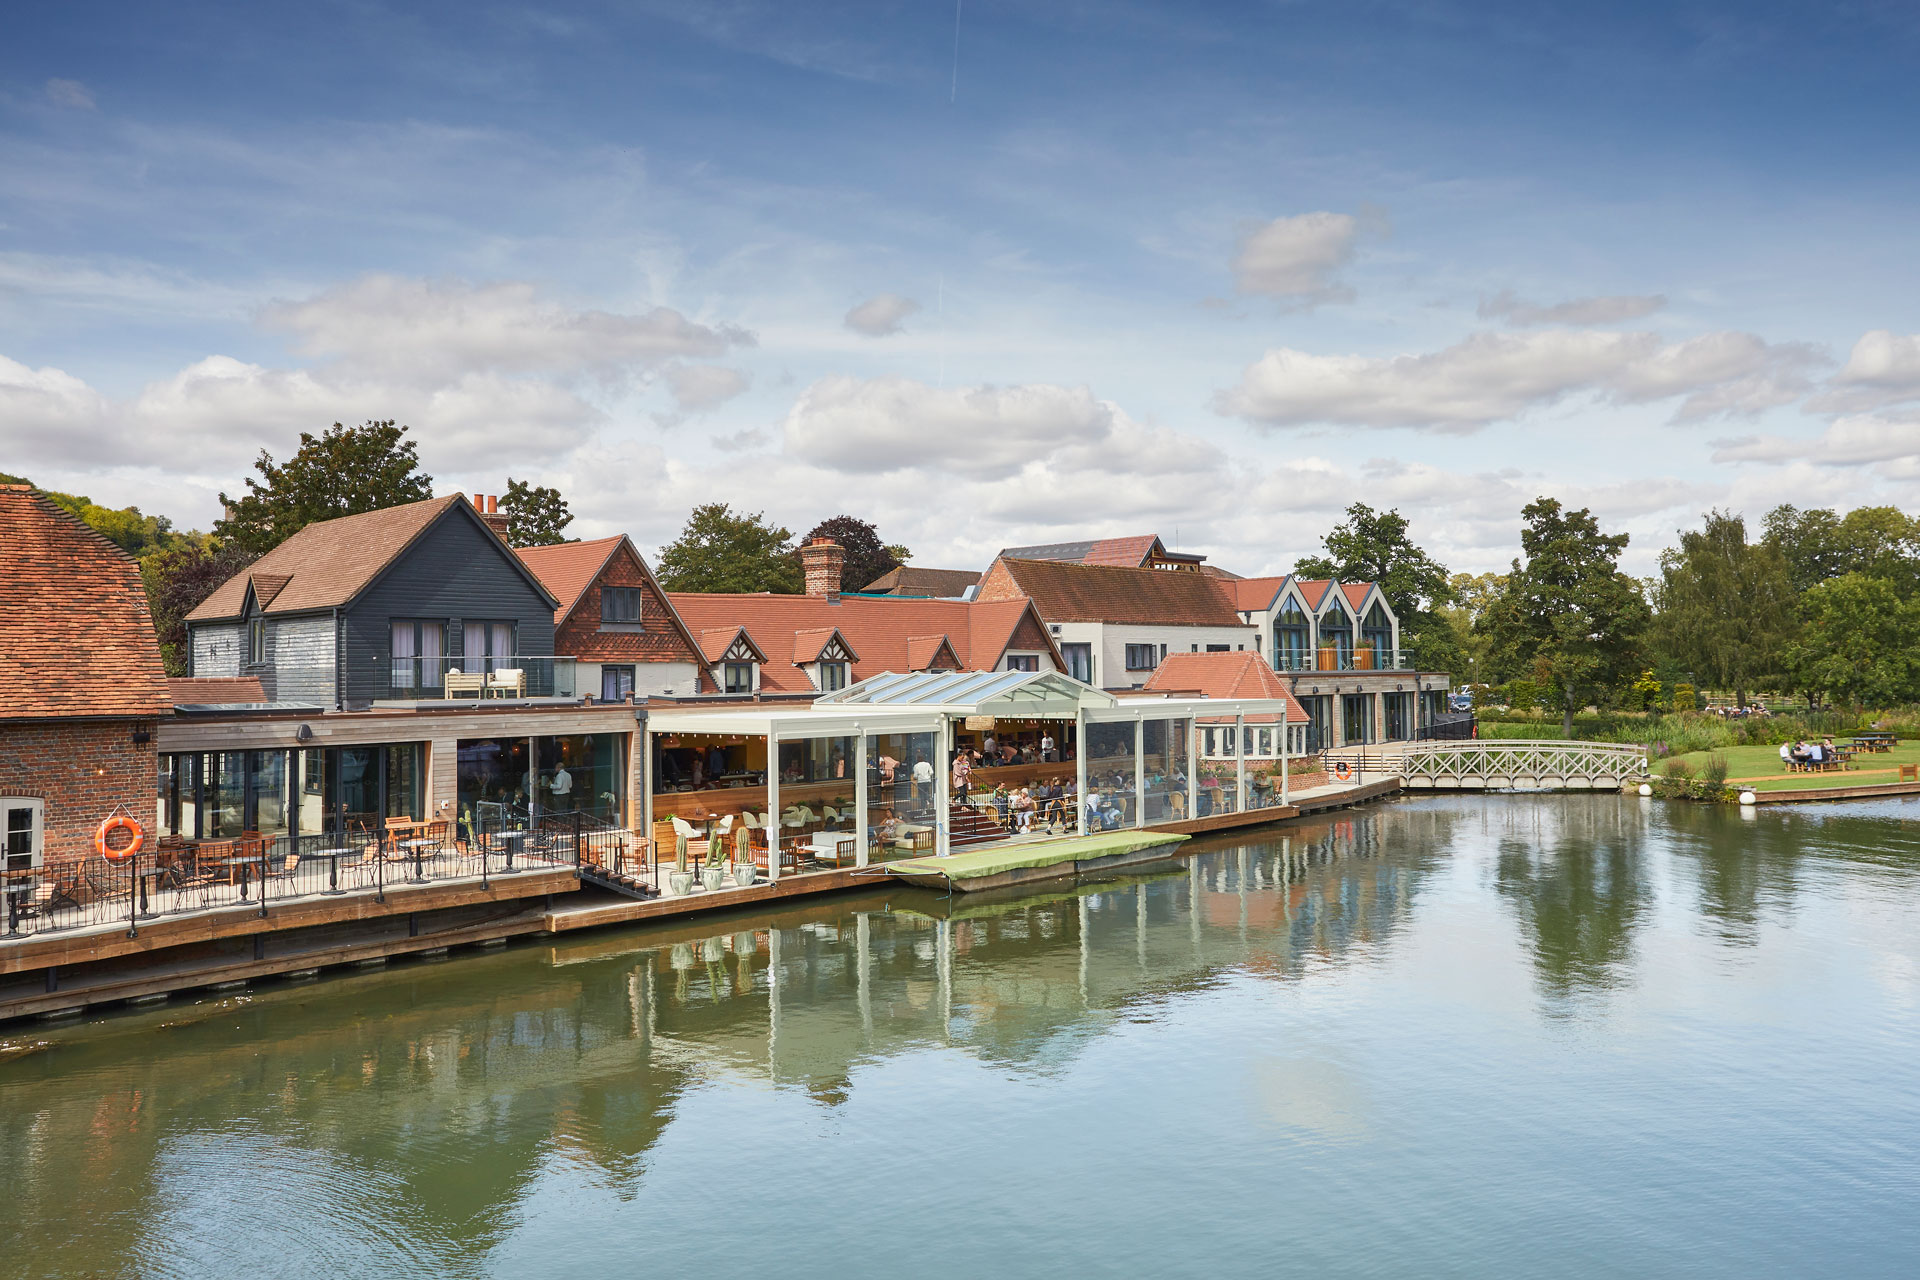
pixel 934 702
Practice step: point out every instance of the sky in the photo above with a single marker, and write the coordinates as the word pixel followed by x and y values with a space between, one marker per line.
pixel 982 273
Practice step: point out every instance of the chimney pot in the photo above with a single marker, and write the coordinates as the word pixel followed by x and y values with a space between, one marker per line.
pixel 822 559
pixel 493 504
pixel 479 502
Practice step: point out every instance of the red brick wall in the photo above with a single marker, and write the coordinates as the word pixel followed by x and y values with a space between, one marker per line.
pixel 580 635
pixel 81 768
pixel 1028 636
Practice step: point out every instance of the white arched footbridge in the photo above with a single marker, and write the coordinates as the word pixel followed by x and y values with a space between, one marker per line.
pixel 1495 764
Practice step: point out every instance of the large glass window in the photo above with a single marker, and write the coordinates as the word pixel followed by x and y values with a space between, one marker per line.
pixel 404 769
pixel 1399 709
pixel 1165 761
pixel 818 783
pixel 272 802
pixel 20 828
pixel 1142 657
pixel 583 772
pixel 899 810
pixel 1219 770
pixel 491 771
pixel 418 653
pixel 1079 661
pixel 227 794
pixel 1336 633
pixel 1113 795
pixel 488 645
pixel 1356 714
pixel 360 788
pixel 1378 630
pixel 1290 633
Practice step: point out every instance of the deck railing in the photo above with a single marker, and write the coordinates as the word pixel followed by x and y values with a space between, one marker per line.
pixel 1313 660
pixel 474 678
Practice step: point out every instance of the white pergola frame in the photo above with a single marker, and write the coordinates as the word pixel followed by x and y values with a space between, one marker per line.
pixel 934 702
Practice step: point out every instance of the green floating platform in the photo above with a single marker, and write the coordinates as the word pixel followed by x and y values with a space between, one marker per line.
pixel 1016 864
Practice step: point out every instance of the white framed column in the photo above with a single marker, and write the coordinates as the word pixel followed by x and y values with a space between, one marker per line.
pixel 942 780
pixel 1080 771
pixel 1193 766
pixel 860 822
pixel 773 807
pixel 1286 752
pixel 1240 757
pixel 1139 773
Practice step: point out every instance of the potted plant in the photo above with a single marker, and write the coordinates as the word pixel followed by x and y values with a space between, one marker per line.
pixel 714 953
pixel 1363 656
pixel 714 873
pixel 1329 658
pixel 743 867
pixel 680 879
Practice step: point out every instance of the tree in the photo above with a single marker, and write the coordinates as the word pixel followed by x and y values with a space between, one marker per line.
pixel 867 557
pixel 1820 545
pixel 344 472
pixel 724 552
pixel 535 516
pixel 1568 616
pixel 1860 642
pixel 1726 606
pixel 1373 546
pixel 126 527
pixel 177 580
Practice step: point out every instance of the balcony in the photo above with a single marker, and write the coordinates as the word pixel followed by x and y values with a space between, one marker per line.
pixel 471 679
pixel 1337 660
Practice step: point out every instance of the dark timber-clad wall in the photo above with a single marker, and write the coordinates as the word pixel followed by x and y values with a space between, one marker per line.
pixel 455 571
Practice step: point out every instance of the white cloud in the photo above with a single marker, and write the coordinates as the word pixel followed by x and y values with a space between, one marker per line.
pixel 1577 311
pixel 1489 377
pixel 699 387
pixel 1296 257
pixel 1860 440
pixel 70 93
pixel 47 412
pixel 1882 369
pixel 881 315
pixel 429 330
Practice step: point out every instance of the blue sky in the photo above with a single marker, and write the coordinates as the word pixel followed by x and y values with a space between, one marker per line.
pixel 1211 271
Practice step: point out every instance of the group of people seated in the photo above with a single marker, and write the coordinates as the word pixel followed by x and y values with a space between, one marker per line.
pixel 1809 753
pixel 1020 807
pixel 993 751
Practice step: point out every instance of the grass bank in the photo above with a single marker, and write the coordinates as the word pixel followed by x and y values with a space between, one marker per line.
pixel 1759 768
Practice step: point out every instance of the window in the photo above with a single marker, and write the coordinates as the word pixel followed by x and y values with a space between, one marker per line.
pixel 1142 657
pixel 1219 648
pixel 257 641
pixel 739 677
pixel 20 827
pixel 620 604
pixel 833 675
pixel 616 683
pixel 419 649
pixel 1079 661
pixel 1022 662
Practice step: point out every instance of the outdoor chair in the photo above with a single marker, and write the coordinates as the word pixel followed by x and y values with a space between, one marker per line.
pixel 48 897
pixel 1910 773
pixel 696 843
pixel 464 683
pixel 508 682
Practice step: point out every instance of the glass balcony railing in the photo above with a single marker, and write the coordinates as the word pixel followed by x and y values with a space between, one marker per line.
pixel 474 679
pixel 1331 659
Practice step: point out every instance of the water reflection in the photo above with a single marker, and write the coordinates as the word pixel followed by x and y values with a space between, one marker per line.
pixel 406 1120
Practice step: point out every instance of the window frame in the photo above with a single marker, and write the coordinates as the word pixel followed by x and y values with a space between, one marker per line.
pixel 1135 651
pixel 609 616
pixel 36 831
pixel 1023 662
pixel 1078 649
pixel 727 670
pixel 833 676
pixel 613 669
pixel 256 641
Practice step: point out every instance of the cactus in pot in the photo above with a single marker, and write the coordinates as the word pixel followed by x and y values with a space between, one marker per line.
pixel 680 879
pixel 743 868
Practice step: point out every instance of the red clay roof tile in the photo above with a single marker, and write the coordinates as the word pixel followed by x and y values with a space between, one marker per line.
pixel 1066 592
pixel 1223 675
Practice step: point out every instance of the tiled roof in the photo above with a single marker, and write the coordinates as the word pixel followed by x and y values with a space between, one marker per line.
pixel 76 637
pixel 215 691
pixel 878 628
pixel 1314 591
pixel 807 645
pixel 940 584
pixel 1130 553
pixel 1356 593
pixel 1102 593
pixel 327 564
pixel 715 642
pixel 567 569
pixel 1223 675
pixel 268 586
pixel 927 652
pixel 1256 595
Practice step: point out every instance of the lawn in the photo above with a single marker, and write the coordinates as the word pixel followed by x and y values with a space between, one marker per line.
pixel 1760 769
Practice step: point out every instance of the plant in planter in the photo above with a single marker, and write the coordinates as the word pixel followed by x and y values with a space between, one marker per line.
pixel 680 879
pixel 743 868
pixel 715 870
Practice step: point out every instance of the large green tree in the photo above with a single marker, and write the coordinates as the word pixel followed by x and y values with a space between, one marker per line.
pixel 1726 606
pixel 536 517
pixel 867 557
pixel 177 580
pixel 1860 642
pixel 342 472
pixel 1821 544
pixel 1373 546
pixel 724 551
pixel 128 528
pixel 1567 617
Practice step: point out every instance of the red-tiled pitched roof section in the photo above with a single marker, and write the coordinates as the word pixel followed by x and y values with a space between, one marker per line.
pixel 574 574
pixel 1128 553
pixel 807 645
pixel 215 691
pixel 1314 592
pixel 1102 593
pixel 1356 593
pixel 1223 675
pixel 327 564
pixel 76 638
pixel 940 584
pixel 715 642
pixel 878 628
pixel 1255 595
pixel 929 653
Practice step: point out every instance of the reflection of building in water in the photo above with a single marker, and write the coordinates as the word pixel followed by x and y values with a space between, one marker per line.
pixel 424 1102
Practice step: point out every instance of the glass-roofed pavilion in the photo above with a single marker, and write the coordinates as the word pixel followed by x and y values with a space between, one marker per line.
pixel 866 774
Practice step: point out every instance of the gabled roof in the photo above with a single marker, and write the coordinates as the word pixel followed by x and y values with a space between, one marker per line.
pixel 76 637
pixel 1003 692
pixel 938 584
pixel 1130 552
pixel 1102 593
pixel 1356 593
pixel 715 643
pixel 1256 595
pixel 924 653
pixel 329 563
pixel 878 629
pixel 1223 675
pixel 810 644
pixel 1313 591
pixel 267 586
pixel 569 569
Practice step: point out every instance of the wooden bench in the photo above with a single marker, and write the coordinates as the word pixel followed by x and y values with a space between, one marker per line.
pixel 466 683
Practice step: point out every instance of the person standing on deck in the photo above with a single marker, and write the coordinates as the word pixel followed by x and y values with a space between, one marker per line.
pixel 1046 747
pixel 922 782
pixel 962 776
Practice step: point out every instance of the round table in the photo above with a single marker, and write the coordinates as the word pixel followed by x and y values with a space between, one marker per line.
pixel 333 867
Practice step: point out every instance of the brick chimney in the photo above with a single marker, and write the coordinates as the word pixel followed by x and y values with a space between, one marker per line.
pixel 822 558
pixel 489 508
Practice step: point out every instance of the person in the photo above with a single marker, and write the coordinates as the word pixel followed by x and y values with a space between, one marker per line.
pixel 1023 810
pixel 962 777
pixel 889 830
pixel 1002 801
pixel 562 784
pixel 922 782
pixel 1786 756
pixel 1046 747
pixel 989 744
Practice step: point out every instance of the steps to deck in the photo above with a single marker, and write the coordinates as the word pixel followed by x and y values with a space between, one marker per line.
pixel 968 826
pixel 617 881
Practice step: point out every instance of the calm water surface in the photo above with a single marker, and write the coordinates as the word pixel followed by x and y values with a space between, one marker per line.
pixel 1563 1036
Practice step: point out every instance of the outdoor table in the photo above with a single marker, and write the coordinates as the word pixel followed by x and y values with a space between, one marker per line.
pixel 15 891
pixel 239 871
pixel 513 840
pixel 417 847
pixel 154 874
pixel 333 867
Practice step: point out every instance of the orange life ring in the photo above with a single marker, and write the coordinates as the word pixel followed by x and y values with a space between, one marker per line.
pixel 1342 770
pixel 119 822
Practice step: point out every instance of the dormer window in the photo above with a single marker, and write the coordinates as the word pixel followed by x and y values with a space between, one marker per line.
pixel 739 677
pixel 620 605
pixel 833 675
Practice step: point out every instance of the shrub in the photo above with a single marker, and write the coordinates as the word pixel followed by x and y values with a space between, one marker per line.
pixel 1714 770
pixel 1677 770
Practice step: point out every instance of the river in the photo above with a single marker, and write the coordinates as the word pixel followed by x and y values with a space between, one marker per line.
pixel 1457 1036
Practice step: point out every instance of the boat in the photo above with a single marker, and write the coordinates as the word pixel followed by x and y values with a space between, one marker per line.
pixel 1038 861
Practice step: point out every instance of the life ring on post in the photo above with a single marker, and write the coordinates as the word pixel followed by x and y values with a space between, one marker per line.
pixel 1342 770
pixel 119 822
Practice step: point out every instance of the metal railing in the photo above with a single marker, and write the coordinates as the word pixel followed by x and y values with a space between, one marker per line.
pixel 1335 660
pixel 252 873
pixel 1448 728
pixel 475 678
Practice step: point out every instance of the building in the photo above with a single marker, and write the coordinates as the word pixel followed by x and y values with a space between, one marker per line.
pixel 623 634
pixel 1141 551
pixel 937 584
pixel 1115 624
pixel 82 687
pixel 823 640
pixel 1236 677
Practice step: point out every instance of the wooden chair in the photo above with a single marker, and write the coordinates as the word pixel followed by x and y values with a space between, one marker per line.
pixel 696 843
pixel 507 682
pixel 462 684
